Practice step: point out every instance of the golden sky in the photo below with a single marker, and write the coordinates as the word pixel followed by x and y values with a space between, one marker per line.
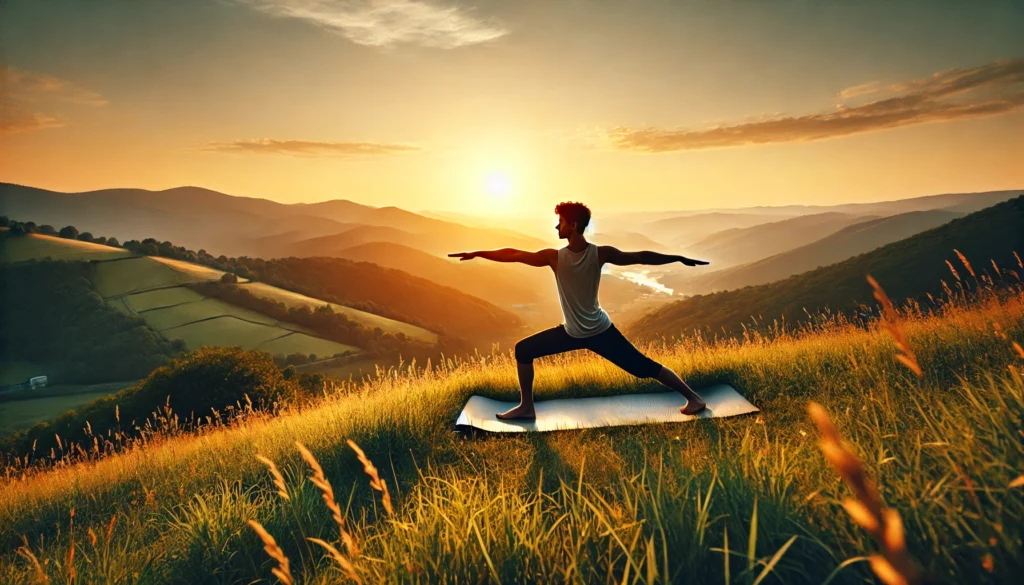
pixel 499 108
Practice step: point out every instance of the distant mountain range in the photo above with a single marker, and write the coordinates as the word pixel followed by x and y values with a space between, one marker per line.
pixel 908 268
pixel 963 202
pixel 745 245
pixel 845 243
pixel 223 224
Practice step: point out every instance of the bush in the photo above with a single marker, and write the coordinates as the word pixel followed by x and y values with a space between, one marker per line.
pixel 213 378
pixel 69 232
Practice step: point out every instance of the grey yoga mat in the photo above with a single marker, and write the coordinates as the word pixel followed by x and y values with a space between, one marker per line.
pixel 602 411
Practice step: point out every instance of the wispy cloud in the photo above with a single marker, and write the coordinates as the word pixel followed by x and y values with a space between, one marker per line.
pixel 381 23
pixel 987 90
pixel 16 118
pixel 307 148
pixel 25 92
pixel 30 86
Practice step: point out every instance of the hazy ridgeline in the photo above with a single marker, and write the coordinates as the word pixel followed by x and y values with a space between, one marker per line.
pixel 663 502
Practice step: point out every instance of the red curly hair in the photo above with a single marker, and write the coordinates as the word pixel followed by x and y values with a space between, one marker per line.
pixel 574 212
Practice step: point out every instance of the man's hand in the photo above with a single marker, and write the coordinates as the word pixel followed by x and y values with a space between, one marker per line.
pixel 463 255
pixel 692 262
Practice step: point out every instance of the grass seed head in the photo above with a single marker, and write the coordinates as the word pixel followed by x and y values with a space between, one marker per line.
pixel 282 571
pixel 953 270
pixel 39 575
pixel 375 480
pixel 278 478
pixel 966 264
pixel 907 356
pixel 339 558
pixel 320 481
pixel 885 571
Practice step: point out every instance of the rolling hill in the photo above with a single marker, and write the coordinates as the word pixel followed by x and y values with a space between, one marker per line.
pixel 485 280
pixel 908 268
pixel 628 241
pixel 687 230
pixel 744 245
pixel 155 289
pixel 848 242
pixel 223 224
pixel 961 202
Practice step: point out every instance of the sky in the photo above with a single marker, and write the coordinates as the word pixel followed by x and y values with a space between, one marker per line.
pixel 504 107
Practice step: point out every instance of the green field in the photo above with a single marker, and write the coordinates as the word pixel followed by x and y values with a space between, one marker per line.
pixel 745 500
pixel 152 288
pixel 23 408
pixel 307 344
pixel 156 299
pixel 145 273
pixel 369 320
pixel 41 247
pixel 19 372
pixel 185 313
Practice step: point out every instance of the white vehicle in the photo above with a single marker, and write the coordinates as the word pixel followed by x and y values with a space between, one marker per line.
pixel 37 382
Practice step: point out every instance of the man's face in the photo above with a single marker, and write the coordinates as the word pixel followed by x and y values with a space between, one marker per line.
pixel 565 229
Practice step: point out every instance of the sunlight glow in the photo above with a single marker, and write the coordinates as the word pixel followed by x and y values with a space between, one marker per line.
pixel 498 185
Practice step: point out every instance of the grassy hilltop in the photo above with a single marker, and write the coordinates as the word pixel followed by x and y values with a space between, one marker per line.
pixel 745 500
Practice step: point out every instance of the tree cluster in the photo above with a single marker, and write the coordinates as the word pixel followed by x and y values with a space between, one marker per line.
pixel 54 316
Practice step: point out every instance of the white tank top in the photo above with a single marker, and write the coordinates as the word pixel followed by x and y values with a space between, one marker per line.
pixel 578 276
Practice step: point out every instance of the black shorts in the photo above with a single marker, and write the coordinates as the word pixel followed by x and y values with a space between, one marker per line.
pixel 609 344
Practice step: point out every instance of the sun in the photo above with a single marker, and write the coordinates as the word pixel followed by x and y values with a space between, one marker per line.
pixel 498 185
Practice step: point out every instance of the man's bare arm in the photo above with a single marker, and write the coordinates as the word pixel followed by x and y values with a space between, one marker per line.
pixel 540 258
pixel 618 257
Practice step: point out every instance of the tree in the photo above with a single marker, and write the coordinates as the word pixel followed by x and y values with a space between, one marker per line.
pixel 85 236
pixel 113 242
pixel 69 232
pixel 48 230
pixel 229 278
pixel 4 221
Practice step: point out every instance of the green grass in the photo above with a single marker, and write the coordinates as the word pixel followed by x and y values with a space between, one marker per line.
pixel 307 344
pixel 144 273
pixel 24 407
pixel 18 372
pixel 162 298
pixel 40 247
pixel 20 414
pixel 744 500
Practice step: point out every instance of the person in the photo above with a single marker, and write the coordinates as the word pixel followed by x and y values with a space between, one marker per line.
pixel 577 270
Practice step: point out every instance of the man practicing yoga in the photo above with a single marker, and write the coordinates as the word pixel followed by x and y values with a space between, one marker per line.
pixel 586 325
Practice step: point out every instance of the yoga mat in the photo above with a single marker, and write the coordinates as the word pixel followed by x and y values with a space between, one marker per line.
pixel 602 411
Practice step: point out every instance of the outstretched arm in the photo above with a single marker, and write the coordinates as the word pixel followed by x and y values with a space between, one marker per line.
pixel 615 256
pixel 541 258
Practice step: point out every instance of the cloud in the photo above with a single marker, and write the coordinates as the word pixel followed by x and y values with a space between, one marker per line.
pixel 29 86
pixel 987 90
pixel 23 91
pixel 381 23
pixel 306 148
pixel 17 118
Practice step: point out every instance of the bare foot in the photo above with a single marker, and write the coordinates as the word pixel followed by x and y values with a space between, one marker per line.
pixel 520 412
pixel 693 406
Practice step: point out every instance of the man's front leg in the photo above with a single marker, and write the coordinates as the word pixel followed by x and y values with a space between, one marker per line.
pixel 525 408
